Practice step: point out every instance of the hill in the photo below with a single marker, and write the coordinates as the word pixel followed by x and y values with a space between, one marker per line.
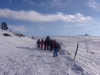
pixel 20 56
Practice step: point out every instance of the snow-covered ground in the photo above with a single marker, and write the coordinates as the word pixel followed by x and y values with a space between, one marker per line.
pixel 19 56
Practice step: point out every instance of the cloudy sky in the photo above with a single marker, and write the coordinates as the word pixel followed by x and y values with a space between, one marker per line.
pixel 51 17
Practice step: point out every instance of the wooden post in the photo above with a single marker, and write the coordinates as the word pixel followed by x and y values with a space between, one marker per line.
pixel 76 51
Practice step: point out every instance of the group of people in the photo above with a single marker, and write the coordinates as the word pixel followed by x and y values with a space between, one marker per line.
pixel 49 44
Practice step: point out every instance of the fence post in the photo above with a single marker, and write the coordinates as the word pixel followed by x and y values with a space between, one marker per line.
pixel 76 51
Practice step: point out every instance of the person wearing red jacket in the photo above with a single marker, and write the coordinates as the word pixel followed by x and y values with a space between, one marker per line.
pixel 42 43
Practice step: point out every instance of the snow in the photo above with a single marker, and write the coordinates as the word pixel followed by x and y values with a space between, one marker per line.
pixel 20 56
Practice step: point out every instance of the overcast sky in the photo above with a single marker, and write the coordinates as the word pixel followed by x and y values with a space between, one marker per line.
pixel 52 17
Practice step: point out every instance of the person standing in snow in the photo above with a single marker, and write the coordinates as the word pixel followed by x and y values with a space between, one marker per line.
pixel 38 43
pixel 47 42
pixel 55 54
pixel 59 46
pixel 45 45
pixel 51 45
pixel 42 42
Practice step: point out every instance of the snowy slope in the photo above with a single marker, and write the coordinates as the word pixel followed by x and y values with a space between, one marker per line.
pixel 88 56
pixel 19 56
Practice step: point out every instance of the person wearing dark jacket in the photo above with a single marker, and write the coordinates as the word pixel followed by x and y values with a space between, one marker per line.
pixel 47 42
pixel 38 43
pixel 45 45
pixel 55 50
pixel 59 46
pixel 51 45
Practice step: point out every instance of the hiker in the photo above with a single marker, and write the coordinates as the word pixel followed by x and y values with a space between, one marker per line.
pixel 42 43
pixel 59 46
pixel 45 45
pixel 47 42
pixel 51 45
pixel 55 54
pixel 38 43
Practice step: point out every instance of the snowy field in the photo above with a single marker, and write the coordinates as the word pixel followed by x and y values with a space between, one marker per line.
pixel 20 56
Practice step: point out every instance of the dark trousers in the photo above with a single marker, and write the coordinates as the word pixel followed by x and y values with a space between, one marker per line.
pixel 47 47
pixel 50 48
pixel 39 45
